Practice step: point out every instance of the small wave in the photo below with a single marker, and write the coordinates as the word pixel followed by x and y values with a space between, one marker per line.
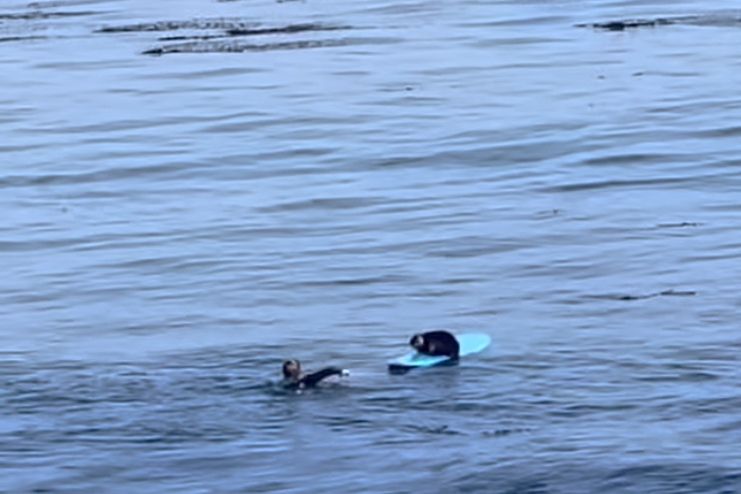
pixel 644 296
pixel 39 14
pixel 237 47
pixel 10 39
pixel 196 24
pixel 718 20
pixel 683 224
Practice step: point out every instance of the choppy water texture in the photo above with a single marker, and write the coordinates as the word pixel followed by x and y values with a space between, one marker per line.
pixel 193 191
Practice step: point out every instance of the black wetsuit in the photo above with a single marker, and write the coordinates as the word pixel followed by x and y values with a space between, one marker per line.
pixel 311 380
pixel 442 342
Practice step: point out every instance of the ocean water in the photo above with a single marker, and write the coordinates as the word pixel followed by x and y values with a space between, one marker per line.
pixel 194 191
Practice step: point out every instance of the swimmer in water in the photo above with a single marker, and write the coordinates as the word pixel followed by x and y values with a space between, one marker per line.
pixel 436 343
pixel 294 378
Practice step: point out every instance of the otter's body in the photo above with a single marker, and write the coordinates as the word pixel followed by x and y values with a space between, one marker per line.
pixel 436 343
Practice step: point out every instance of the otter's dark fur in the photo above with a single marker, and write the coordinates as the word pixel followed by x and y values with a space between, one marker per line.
pixel 436 343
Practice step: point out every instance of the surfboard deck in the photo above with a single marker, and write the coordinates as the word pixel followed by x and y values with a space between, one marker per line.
pixel 470 343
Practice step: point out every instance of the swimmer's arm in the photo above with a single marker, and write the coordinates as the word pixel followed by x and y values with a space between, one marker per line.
pixel 314 378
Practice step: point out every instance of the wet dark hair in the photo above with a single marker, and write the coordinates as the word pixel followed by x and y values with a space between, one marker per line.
pixel 287 367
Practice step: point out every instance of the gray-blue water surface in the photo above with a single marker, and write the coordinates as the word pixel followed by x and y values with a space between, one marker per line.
pixel 193 191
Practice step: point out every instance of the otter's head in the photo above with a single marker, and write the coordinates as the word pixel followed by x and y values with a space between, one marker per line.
pixel 291 369
pixel 417 342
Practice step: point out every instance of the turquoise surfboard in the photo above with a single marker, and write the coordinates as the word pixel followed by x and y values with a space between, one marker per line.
pixel 470 343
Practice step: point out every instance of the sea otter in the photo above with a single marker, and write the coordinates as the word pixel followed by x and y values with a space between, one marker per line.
pixel 436 343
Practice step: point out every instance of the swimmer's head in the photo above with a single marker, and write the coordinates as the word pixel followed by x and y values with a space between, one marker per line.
pixel 291 369
pixel 417 341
